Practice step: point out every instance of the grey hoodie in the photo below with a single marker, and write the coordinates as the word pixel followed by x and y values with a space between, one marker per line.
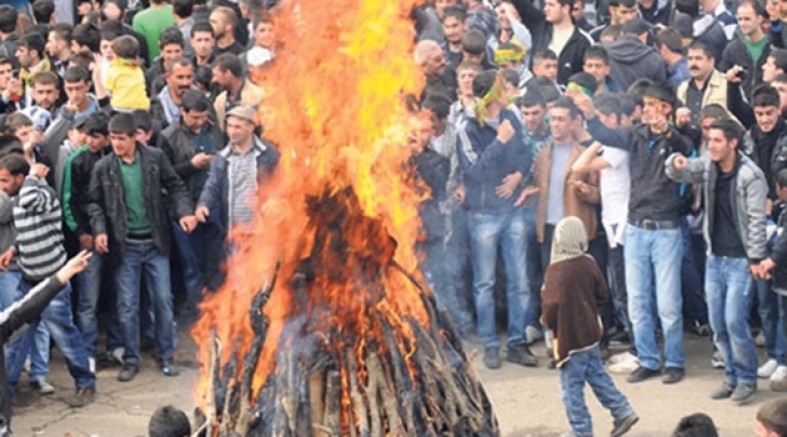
pixel 630 60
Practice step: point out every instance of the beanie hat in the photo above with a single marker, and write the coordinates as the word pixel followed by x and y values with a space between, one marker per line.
pixel 663 92
pixel 570 240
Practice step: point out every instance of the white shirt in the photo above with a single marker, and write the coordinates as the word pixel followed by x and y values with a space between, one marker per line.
pixel 615 187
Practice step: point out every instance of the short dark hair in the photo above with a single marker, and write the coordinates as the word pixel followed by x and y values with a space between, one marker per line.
pixel 203 76
pixel 45 78
pixel 780 58
pixel 15 164
pixel 194 100
pixel 613 31
pixel 532 97
pixel 15 120
pixel 8 17
pixel 182 8
pixel 567 103
pixel 180 61
pixel 455 11
pixel 627 104
pixel 229 15
pixel 781 78
pixel 470 65
pixel 671 39
pixel 62 31
pixel 758 7
pixel 474 42
pixel 714 111
pixel 438 104
pixel 76 74
pixel 636 27
pixel 171 35
pixel 608 104
pixel 202 26
pixel 110 30
pixel 43 10
pixel 228 62
pixel 87 35
pixel 142 120
pixel 34 41
pixel 546 87
pixel 263 17
pixel 81 59
pixel 126 47
pixel 169 422
pixel 97 123
pixel 703 47
pixel 781 180
pixel 637 89
pixel 696 425
pixel 122 123
pixel 765 95
pixel 730 128
pixel 510 76
pixel 596 52
pixel 544 55
pixel 626 3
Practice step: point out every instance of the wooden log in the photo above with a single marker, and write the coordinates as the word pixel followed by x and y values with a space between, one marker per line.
pixel 333 402
pixel 357 395
pixel 386 390
pixel 317 396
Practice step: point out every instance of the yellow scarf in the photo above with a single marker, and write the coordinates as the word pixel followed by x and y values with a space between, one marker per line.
pixel 493 95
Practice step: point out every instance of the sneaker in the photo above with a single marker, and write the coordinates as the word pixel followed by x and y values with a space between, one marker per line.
pixel 625 356
pixel 724 392
pixel 780 373
pixel 492 358
pixel 779 386
pixel 766 370
pixel 128 373
pixel 520 354
pixel 83 397
pixel 532 335
pixel 169 368
pixel 42 387
pixel 623 425
pixel 716 360
pixel 642 373
pixel 117 354
pixel 672 375
pixel 627 365
pixel 743 393
pixel 759 340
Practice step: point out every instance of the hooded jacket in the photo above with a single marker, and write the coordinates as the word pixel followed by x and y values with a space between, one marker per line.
pixel 736 54
pixel 768 151
pixel 630 59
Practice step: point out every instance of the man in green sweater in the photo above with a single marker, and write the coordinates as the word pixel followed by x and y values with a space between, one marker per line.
pixel 151 22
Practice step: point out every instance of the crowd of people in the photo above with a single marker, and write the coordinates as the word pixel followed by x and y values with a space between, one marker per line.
pixel 601 174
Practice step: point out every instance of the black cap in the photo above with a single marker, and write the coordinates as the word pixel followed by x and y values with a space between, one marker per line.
pixel 663 92
pixel 484 82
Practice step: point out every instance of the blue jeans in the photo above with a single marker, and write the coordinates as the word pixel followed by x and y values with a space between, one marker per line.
pixel 457 269
pixel 771 317
pixel 695 310
pixel 89 289
pixel 587 367
pixel 59 320
pixel 144 258
pixel 655 255
pixel 39 353
pixel 201 254
pixel 535 270
pixel 727 285
pixel 488 233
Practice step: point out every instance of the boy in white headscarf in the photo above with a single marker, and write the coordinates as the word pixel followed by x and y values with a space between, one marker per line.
pixel 573 290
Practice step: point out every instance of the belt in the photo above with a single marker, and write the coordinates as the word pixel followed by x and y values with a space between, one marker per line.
pixel 654 225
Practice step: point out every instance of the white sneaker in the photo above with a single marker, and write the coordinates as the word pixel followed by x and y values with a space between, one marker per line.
pixel 117 354
pixel 532 335
pixel 627 363
pixel 625 356
pixel 759 340
pixel 42 386
pixel 767 369
pixel 780 373
pixel 716 360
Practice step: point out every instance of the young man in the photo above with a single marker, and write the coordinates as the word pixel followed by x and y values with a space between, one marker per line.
pixel 596 63
pixel 32 58
pixel 134 228
pixel 151 22
pixel 670 47
pixel 236 89
pixel 620 11
pixel 772 419
pixel 631 58
pixel 224 20
pixel 454 29
pixel 40 253
pixel 653 235
pixel 190 145
pixel 171 48
pixel 748 52
pixel 734 190
pixel 203 43
pixel 494 160
pixel 58 46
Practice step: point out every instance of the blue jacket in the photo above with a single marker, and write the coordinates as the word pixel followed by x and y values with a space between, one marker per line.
pixel 215 193
pixel 485 162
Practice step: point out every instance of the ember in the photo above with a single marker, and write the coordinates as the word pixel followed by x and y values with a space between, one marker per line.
pixel 322 327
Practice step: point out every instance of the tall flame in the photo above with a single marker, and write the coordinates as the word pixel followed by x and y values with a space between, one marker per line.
pixel 334 107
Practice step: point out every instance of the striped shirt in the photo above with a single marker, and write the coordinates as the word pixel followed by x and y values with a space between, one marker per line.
pixel 242 178
pixel 39 238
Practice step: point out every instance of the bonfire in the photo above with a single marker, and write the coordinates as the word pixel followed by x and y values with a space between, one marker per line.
pixel 323 326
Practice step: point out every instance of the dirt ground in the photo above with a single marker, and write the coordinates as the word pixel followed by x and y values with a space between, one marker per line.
pixel 527 401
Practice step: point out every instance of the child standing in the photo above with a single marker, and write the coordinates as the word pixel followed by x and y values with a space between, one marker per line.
pixel 573 291
pixel 125 80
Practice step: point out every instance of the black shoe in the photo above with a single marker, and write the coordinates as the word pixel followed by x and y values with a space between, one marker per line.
pixel 83 397
pixel 724 392
pixel 743 393
pixel 492 358
pixel 520 354
pixel 128 373
pixel 169 368
pixel 672 375
pixel 622 426
pixel 642 373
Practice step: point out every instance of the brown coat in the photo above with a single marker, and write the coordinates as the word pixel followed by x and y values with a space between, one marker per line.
pixel 574 203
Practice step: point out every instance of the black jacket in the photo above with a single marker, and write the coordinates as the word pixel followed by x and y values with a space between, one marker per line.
pixel 736 54
pixel 570 59
pixel 630 59
pixel 81 169
pixel 107 201
pixel 179 147
pixel 23 311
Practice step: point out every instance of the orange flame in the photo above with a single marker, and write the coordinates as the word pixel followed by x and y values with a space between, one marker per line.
pixel 334 106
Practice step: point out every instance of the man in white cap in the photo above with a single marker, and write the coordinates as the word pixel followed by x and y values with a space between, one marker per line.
pixel 237 171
